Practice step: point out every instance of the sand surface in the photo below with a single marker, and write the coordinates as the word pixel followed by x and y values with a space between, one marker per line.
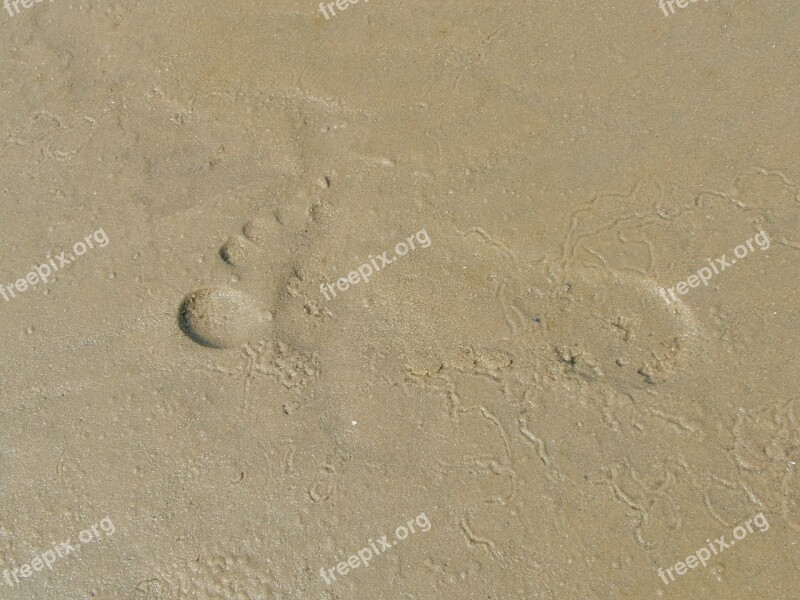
pixel 465 274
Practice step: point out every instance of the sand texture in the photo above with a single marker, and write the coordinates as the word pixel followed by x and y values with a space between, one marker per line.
pixel 503 294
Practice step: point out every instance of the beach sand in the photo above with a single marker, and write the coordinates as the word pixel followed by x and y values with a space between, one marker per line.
pixel 223 381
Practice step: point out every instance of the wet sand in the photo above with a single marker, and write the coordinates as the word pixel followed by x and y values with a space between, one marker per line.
pixel 518 407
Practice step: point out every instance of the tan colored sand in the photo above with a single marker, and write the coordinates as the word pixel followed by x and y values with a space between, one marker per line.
pixel 520 381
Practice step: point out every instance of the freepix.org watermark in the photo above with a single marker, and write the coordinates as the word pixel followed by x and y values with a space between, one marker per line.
pixel 25 4
pixel 714 548
pixel 340 4
pixel 366 271
pixel 43 272
pixel 367 553
pixel 718 265
pixel 681 4
pixel 62 550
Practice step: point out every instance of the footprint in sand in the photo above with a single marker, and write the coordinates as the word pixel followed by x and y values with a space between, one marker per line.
pixel 221 317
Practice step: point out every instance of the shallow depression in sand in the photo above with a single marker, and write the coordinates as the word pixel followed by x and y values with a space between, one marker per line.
pixel 620 322
pixel 220 317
